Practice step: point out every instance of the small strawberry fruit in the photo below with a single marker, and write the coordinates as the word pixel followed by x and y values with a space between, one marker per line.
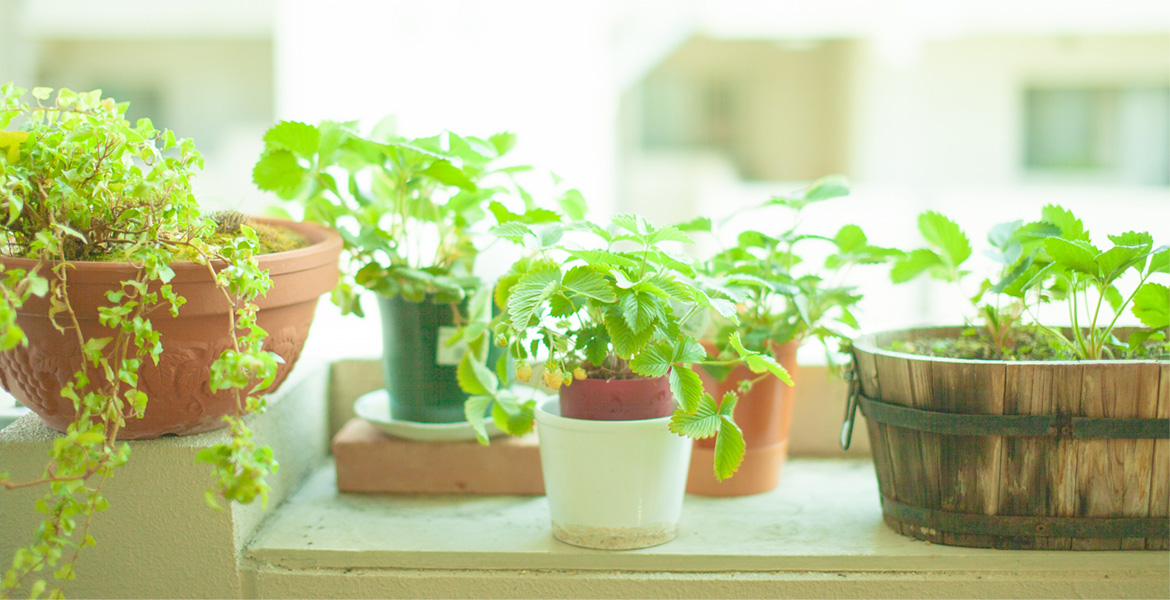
pixel 553 378
pixel 523 371
pixel 579 373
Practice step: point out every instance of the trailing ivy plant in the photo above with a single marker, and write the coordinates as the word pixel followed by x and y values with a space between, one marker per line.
pixel 407 209
pixel 1054 260
pixel 616 307
pixel 782 295
pixel 80 183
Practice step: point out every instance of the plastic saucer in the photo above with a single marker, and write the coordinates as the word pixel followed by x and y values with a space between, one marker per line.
pixel 374 407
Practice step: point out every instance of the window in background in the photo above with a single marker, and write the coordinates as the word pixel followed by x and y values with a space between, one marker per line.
pixel 1114 135
pixel 685 113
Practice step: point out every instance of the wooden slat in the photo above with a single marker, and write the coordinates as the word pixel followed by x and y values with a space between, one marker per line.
pixel 1160 474
pixel 903 444
pixel 1024 488
pixel 1063 497
pixel 1137 456
pixel 930 444
pixel 879 445
pixel 969 465
pixel 1107 391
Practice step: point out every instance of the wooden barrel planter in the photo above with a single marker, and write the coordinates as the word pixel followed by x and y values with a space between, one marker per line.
pixel 1062 455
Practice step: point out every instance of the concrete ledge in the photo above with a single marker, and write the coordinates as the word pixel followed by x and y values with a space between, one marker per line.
pixel 276 582
pixel 159 538
pixel 823 524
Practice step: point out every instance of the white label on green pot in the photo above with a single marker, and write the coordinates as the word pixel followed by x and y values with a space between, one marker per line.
pixel 448 355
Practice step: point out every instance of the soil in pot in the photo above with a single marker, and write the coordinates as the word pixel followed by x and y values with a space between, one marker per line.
pixel 180 400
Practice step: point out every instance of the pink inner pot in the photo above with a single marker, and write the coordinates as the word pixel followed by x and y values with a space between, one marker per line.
pixel 617 399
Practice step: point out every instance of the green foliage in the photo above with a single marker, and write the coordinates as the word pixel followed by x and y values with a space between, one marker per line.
pixel 408 210
pixel 1053 259
pixel 604 303
pixel 783 295
pixel 81 183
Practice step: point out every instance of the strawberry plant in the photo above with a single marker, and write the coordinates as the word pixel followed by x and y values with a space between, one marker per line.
pixel 1054 260
pixel 606 303
pixel 409 210
pixel 782 294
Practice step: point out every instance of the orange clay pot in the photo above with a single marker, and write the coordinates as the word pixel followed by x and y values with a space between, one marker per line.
pixel 765 416
pixel 180 400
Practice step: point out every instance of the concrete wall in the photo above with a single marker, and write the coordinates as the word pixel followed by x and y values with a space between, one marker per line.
pixel 159 539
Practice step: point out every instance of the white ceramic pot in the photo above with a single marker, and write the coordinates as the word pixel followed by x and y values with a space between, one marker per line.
pixel 613 485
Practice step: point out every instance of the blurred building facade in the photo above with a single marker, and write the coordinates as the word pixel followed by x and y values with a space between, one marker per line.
pixel 983 110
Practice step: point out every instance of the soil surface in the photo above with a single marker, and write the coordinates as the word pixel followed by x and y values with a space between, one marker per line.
pixel 1028 344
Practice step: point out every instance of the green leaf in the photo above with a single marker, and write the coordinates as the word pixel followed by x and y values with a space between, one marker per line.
pixel 1151 305
pixel 445 172
pixel 474 409
pixel 825 188
pixel 1071 228
pixel 945 235
pixel 758 363
pixel 1075 255
pixel 687 387
pixel 697 224
pixel 913 264
pixel 280 172
pixel 626 341
pixel 700 423
pixel 296 137
pixel 551 235
pixel 849 238
pixel 670 234
pixel 526 297
pixel 588 282
pixel 573 204
pixel 729 445
pixel 653 360
pixel 640 310
pixel 1160 260
pixel 474 377
pixel 602 258
pixel 1003 234
pixel 633 223
pixel 512 416
pixel 1115 261
pixel 688 350
pixel 503 142
pixel 513 231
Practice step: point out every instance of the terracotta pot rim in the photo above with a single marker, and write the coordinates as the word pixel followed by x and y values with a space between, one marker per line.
pixel 867 343
pixel 322 241
pixel 625 426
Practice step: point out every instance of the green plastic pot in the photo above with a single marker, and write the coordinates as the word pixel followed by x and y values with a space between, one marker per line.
pixel 419 368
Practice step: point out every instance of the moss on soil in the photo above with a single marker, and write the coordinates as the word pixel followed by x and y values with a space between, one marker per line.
pixel 272 240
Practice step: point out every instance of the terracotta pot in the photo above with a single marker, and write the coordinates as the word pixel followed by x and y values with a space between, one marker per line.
pixel 180 401
pixel 765 416
pixel 617 399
